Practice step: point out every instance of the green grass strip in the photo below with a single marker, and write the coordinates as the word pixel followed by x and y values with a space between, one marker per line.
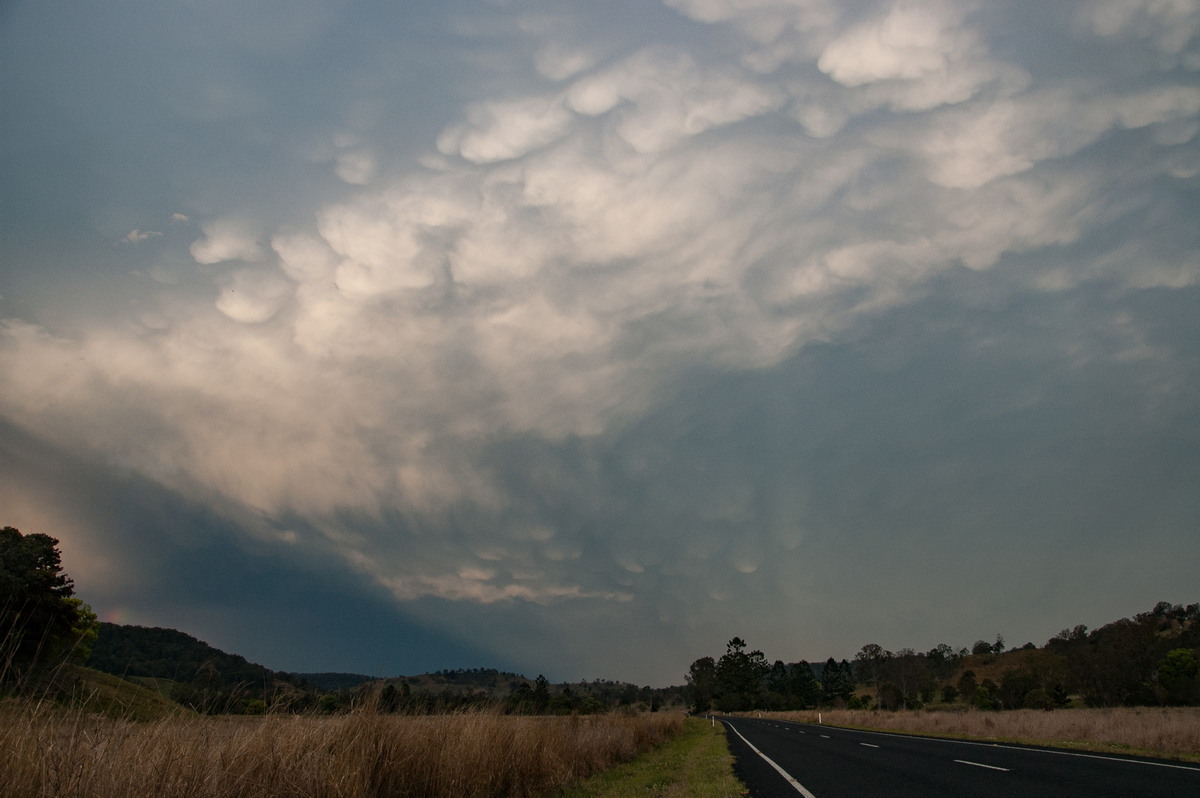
pixel 696 763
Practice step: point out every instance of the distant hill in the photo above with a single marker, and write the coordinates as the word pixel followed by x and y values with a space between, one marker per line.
pixel 330 682
pixel 199 676
pixel 475 686
pixel 496 684
pixel 191 672
pixel 170 654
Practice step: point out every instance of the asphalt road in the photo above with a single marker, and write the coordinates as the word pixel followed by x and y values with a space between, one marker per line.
pixel 826 762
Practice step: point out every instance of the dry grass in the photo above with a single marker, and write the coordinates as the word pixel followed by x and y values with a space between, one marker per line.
pixel 50 752
pixel 1172 733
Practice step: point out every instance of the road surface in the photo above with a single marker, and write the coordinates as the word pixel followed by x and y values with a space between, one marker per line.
pixel 826 762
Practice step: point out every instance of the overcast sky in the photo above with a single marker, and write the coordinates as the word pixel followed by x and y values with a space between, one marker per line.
pixel 579 337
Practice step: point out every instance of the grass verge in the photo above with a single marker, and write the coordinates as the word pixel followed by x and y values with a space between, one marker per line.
pixel 695 763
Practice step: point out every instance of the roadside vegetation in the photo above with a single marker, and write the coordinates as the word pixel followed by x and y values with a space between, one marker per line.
pixel 54 752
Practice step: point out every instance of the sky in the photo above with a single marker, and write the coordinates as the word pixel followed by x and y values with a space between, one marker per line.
pixel 578 338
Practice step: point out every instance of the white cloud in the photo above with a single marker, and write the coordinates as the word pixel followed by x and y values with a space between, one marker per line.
pixel 252 296
pixel 968 148
pixel 559 62
pixel 227 239
pixel 916 56
pixel 304 258
pixel 659 97
pixel 504 130
pixel 379 246
pixel 357 167
pixel 137 236
pixel 777 31
pixel 1171 24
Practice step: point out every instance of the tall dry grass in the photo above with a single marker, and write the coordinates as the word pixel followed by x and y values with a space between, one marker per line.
pixel 1168 732
pixel 68 754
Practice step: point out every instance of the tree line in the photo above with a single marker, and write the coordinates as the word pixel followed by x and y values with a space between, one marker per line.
pixel 1151 659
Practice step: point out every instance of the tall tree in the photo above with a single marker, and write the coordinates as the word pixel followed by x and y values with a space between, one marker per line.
pixel 837 681
pixel 803 685
pixel 1179 676
pixel 39 622
pixel 739 677
pixel 701 681
pixel 869 662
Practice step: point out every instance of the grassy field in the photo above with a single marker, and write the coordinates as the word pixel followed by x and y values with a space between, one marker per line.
pixel 1172 733
pixel 696 764
pixel 49 751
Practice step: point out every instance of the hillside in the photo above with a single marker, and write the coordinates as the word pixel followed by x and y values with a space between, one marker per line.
pixel 191 672
pixel 186 670
pixel 169 654
pixel 330 682
pixel 111 696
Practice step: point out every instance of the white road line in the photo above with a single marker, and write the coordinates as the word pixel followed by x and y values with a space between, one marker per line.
pixel 826 736
pixel 981 765
pixel 868 745
pixel 799 787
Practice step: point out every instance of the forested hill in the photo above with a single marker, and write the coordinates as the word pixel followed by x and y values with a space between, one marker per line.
pixel 170 654
pixel 331 682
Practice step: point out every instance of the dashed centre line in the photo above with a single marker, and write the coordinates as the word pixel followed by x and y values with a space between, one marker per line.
pixel 981 765
pixel 868 745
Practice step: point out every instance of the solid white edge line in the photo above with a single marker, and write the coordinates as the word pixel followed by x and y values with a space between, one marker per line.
pixel 799 787
pixel 981 765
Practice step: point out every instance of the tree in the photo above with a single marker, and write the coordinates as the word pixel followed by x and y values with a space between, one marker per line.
pixel 804 687
pixel 541 693
pixel 869 666
pixel 739 677
pixel 1179 676
pixel 388 699
pixel 40 622
pixel 701 681
pixel 942 660
pixel 966 685
pixel 911 675
pixel 837 681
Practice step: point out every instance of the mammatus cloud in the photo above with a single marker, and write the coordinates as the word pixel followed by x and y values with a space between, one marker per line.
pixel 137 236
pixel 1170 25
pixel 225 240
pixel 567 255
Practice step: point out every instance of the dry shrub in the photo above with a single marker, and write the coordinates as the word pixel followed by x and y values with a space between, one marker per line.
pixel 50 752
pixel 1171 732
